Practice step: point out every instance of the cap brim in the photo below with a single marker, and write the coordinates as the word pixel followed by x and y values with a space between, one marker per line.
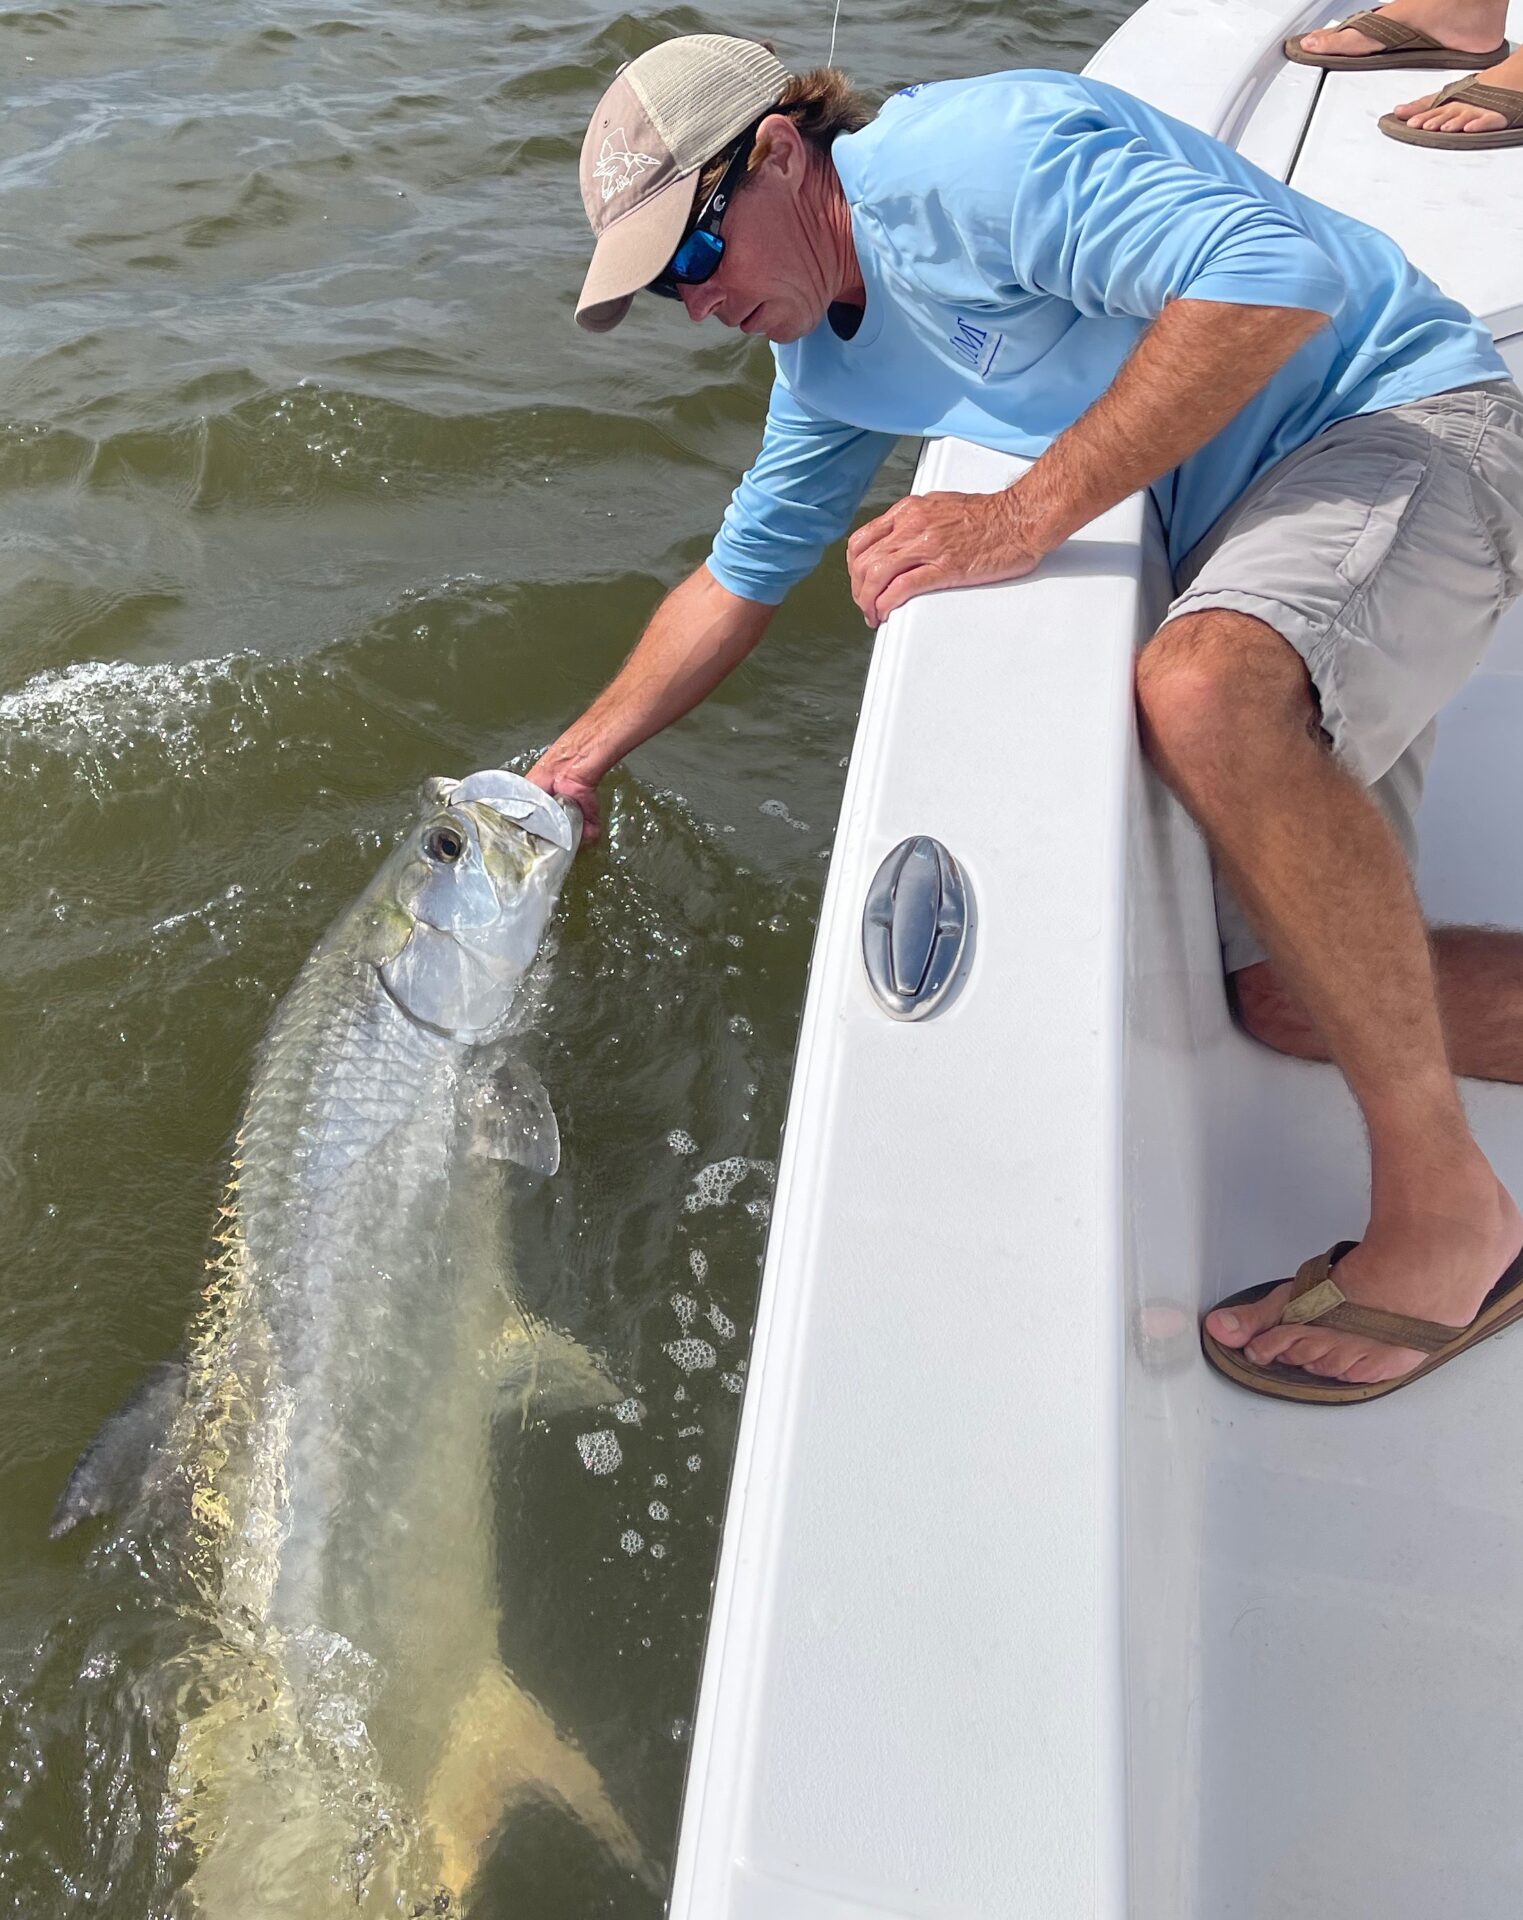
pixel 631 252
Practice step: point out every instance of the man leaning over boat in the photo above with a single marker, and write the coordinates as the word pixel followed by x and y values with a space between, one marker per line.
pixel 1042 264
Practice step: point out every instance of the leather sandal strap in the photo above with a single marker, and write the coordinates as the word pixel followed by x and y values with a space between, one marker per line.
pixel 1506 101
pixel 1316 1300
pixel 1392 33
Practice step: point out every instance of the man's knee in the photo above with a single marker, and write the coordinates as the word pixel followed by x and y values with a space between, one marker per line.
pixel 1210 683
pixel 1271 1014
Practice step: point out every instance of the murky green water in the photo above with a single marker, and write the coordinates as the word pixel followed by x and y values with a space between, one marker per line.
pixel 309 488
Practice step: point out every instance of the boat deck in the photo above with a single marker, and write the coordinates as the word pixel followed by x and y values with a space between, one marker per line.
pixel 1021 1611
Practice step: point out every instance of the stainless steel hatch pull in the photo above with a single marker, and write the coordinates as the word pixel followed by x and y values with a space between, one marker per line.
pixel 914 927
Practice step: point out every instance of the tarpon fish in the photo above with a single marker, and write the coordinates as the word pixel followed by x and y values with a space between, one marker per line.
pixel 317 1469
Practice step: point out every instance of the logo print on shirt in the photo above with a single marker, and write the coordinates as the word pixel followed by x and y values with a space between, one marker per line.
pixel 617 167
pixel 976 346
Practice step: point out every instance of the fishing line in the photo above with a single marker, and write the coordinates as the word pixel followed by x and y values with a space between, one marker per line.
pixel 830 58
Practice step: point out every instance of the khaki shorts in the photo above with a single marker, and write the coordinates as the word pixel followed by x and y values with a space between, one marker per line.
pixel 1384 551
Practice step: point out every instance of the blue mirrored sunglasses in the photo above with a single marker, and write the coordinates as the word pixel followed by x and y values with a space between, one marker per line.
pixel 702 248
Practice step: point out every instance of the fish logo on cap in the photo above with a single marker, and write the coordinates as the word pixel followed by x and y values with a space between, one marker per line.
pixel 617 167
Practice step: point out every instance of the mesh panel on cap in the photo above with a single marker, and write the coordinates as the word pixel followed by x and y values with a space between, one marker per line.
pixel 702 89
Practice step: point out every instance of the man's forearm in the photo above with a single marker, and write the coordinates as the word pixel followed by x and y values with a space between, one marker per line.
pixel 1197 366
pixel 699 633
pixel 1199 363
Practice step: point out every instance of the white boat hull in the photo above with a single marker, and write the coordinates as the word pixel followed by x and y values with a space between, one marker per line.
pixel 1020 1611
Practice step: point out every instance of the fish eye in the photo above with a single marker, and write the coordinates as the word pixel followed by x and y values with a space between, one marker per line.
pixel 444 844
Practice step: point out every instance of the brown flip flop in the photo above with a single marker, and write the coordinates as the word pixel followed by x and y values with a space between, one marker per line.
pixel 1317 1301
pixel 1405 47
pixel 1506 101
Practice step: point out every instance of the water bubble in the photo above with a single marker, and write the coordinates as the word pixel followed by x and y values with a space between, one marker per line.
pixel 658 1480
pixel 628 1412
pixel 692 1354
pixel 601 1452
pixel 658 1552
pixel 776 810
pixel 721 1322
pixel 698 1260
pixel 680 1142
pixel 658 1510
pixel 686 1309
pixel 731 1382
pixel 694 1462
pixel 631 1541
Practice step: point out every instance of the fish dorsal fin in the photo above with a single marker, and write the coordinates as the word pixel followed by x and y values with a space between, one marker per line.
pixel 511 1118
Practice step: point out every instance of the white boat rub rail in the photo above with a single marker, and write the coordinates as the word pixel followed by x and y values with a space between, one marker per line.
pixel 1020 1611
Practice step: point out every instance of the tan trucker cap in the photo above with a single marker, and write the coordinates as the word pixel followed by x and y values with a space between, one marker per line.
pixel 664 117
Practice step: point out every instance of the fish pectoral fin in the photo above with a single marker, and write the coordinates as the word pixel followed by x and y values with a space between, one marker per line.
pixel 512 1119
pixel 118 1461
pixel 549 1373
pixel 502 1746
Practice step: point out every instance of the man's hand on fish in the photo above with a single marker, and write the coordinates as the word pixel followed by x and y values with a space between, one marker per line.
pixel 935 540
pixel 566 784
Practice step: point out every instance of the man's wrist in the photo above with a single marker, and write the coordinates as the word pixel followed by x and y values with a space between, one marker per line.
pixel 575 760
pixel 1030 529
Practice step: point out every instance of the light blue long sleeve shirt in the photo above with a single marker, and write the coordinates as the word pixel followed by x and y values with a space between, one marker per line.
pixel 1016 235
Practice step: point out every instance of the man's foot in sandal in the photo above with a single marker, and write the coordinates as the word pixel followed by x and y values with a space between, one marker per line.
pixel 1480 113
pixel 1455 34
pixel 1430 1268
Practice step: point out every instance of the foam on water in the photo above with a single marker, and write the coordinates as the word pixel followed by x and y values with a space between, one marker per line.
pixel 691 1355
pixel 601 1452
pixel 713 1184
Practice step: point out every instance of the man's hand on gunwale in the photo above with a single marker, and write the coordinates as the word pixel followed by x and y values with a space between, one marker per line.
pixel 934 540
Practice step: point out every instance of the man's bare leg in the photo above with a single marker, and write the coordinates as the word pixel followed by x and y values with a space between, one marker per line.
pixel 1479 971
pixel 1230 719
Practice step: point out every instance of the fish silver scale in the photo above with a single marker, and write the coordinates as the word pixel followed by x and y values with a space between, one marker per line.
pixel 343 1181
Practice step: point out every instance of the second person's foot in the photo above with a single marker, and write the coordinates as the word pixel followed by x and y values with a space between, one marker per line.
pixel 1458 116
pixel 1471 27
